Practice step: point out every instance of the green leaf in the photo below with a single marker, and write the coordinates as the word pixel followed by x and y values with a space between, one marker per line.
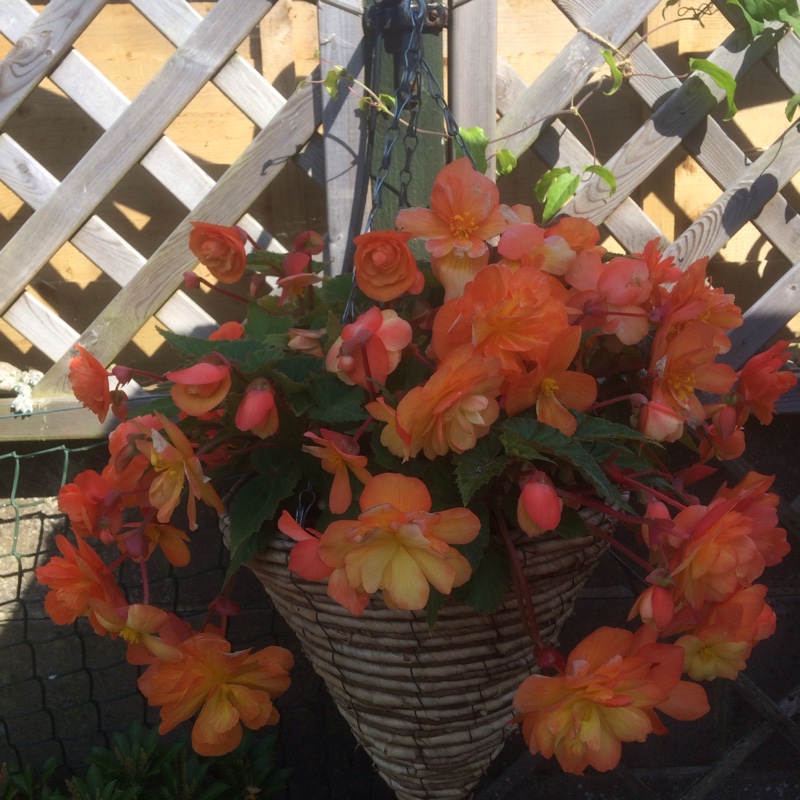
pixel 616 73
pixel 249 354
pixel 791 106
pixel 505 161
pixel 756 27
pixel 721 77
pixel 572 525
pixel 162 403
pixel 604 174
pixel 487 587
pixel 335 401
pixel 266 261
pixel 596 428
pixel 331 82
pixel 257 502
pixel 527 438
pixel 769 10
pixel 559 193
pixel 263 322
pixel 335 291
pixel 791 18
pixel 544 183
pixel 388 101
pixel 476 467
pixel 476 140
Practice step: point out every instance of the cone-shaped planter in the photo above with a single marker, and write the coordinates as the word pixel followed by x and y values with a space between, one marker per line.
pixel 432 708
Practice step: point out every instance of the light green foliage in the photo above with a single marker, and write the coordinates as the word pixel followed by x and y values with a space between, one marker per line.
pixel 557 186
pixel 616 72
pixel 721 77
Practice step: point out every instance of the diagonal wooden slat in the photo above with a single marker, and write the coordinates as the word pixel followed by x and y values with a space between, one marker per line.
pixel 162 275
pixel 665 129
pixel 104 103
pixel 346 168
pixel 42 45
pixel 98 242
pixel 126 141
pixel 553 90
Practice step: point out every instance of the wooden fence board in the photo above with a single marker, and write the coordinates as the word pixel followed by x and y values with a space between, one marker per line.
pixel 98 242
pixel 346 169
pixel 667 126
pixel 473 88
pixel 126 141
pixel 155 283
pixel 553 90
pixel 50 35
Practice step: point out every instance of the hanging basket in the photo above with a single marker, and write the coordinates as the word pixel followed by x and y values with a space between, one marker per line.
pixel 431 707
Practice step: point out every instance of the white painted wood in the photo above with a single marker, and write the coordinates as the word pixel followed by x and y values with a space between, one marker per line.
pixel 50 35
pixel 346 169
pixel 162 275
pixel 472 51
pixel 41 326
pixel 126 141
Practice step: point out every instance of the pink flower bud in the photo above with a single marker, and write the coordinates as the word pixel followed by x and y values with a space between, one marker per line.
pixel 192 280
pixel 539 506
pixel 309 242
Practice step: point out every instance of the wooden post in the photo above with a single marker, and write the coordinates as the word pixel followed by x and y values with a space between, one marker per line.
pixel 425 157
pixel 473 81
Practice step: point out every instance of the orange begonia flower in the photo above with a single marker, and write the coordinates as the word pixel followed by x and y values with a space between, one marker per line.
pixel 539 506
pixel 203 386
pixel 257 412
pixel 370 348
pixel 226 331
pixel 553 388
pixel 176 464
pixel 455 271
pixel 89 381
pixel 80 575
pixel 221 249
pixel 397 545
pixel 229 690
pixel 536 248
pixel 171 540
pixel 761 384
pixel 684 363
pixel 509 315
pixel 304 341
pixel 339 455
pixel 137 627
pixel 613 683
pixel 94 507
pixel 384 266
pixel 454 408
pixel 390 438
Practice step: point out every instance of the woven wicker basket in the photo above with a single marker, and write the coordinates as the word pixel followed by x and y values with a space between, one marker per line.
pixel 431 707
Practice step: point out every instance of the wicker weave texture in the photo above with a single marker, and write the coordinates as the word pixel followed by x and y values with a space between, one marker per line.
pixel 431 707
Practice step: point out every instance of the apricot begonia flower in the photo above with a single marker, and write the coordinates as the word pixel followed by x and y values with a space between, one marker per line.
pixel 229 690
pixel 454 408
pixel 304 560
pixel 384 266
pixel 536 248
pixel 613 683
pixel 339 455
pixel 176 464
pixel 73 578
pixel 171 540
pixel 221 249
pixel 305 341
pixel 553 388
pixel 201 387
pixel 397 545
pixel 660 422
pixel 369 349
pixel 465 212
pixel 89 381
pixel 137 627
pixel 257 412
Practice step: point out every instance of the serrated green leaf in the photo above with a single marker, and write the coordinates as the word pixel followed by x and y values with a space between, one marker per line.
pixel 266 261
pixel 721 77
pixel 604 174
pixel 476 467
pixel 616 73
pixel 263 322
pixel 164 404
pixel 559 193
pixel 527 438
pixel 596 428
pixel 335 291
pixel 247 353
pixel 572 525
pixel 257 502
pixel 476 140
pixel 505 161
pixel 299 369
pixel 335 401
pixel 487 587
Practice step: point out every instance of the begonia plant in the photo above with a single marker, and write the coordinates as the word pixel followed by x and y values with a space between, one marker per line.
pixel 398 422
